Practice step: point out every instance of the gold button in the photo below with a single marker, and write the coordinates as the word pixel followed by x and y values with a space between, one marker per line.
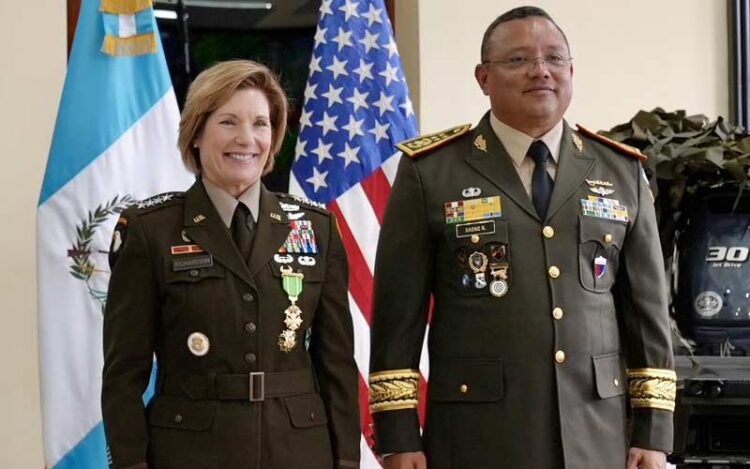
pixel 607 238
pixel 557 313
pixel 617 383
pixel 554 272
pixel 548 232
pixel 559 356
pixel 464 389
pixel 475 239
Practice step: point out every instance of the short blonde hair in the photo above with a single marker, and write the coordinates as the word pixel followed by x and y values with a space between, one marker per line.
pixel 215 86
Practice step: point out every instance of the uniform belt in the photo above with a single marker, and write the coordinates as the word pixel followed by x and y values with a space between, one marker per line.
pixel 256 386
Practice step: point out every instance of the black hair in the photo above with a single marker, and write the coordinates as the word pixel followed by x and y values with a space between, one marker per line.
pixel 516 14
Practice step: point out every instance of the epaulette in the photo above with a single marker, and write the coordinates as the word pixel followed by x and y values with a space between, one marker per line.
pixel 420 145
pixel 158 201
pixel 617 146
pixel 321 207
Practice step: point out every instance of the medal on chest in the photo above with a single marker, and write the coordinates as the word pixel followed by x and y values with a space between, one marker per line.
pixel 292 283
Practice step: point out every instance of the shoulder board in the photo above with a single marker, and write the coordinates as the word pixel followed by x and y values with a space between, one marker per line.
pixel 160 200
pixel 424 143
pixel 617 146
pixel 307 203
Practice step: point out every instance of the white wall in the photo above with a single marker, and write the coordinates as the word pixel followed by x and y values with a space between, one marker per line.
pixel 628 55
pixel 32 54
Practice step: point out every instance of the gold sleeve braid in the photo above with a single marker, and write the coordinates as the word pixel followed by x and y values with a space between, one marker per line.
pixel 394 390
pixel 654 388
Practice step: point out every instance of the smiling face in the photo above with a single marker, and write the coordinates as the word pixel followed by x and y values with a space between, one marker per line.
pixel 235 142
pixel 532 98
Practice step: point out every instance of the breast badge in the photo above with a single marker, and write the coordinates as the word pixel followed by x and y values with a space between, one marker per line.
pixel 600 266
pixel 292 284
pixel 471 192
pixel 283 258
pixel 198 344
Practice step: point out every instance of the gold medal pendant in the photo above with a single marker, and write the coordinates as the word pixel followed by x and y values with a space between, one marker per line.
pixel 292 283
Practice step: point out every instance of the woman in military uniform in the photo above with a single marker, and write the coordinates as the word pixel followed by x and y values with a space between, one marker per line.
pixel 240 294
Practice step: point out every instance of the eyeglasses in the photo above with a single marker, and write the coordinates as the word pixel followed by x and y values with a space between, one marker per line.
pixel 552 61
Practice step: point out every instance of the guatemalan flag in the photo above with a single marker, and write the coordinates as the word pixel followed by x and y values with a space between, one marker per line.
pixel 115 142
pixel 356 109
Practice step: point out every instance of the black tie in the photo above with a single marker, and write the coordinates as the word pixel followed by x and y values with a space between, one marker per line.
pixel 242 231
pixel 541 182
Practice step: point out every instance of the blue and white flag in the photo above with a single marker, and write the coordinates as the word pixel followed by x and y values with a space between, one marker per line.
pixel 115 142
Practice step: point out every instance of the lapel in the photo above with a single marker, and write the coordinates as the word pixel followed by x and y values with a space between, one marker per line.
pixel 204 226
pixel 271 231
pixel 495 165
pixel 573 166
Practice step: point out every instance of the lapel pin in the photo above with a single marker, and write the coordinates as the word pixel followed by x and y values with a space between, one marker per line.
pixel 578 142
pixel 480 143
pixel 275 216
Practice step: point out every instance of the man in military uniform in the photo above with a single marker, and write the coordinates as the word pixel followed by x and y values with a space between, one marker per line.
pixel 539 246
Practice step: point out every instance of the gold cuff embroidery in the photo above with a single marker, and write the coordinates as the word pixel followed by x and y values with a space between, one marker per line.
pixel 654 388
pixel 394 390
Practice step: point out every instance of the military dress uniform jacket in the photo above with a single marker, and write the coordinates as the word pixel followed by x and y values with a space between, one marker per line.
pixel 226 396
pixel 540 327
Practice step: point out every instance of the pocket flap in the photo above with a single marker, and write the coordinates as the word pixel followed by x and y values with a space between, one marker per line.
pixel 466 380
pixel 604 232
pixel 306 410
pixel 609 375
pixel 182 414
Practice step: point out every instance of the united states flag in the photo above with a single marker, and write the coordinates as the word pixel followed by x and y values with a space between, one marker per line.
pixel 356 109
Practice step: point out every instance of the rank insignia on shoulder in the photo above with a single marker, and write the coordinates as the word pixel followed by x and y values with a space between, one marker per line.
pixel 608 142
pixel 305 201
pixel 157 200
pixel 422 144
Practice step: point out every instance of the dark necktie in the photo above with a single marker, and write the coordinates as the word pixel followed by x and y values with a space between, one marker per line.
pixel 541 182
pixel 242 231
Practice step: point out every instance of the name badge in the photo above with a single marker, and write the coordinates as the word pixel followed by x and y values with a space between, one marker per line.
pixel 479 228
pixel 195 262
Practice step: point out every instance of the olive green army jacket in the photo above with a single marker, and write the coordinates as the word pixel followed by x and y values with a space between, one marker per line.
pixel 544 332
pixel 240 383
